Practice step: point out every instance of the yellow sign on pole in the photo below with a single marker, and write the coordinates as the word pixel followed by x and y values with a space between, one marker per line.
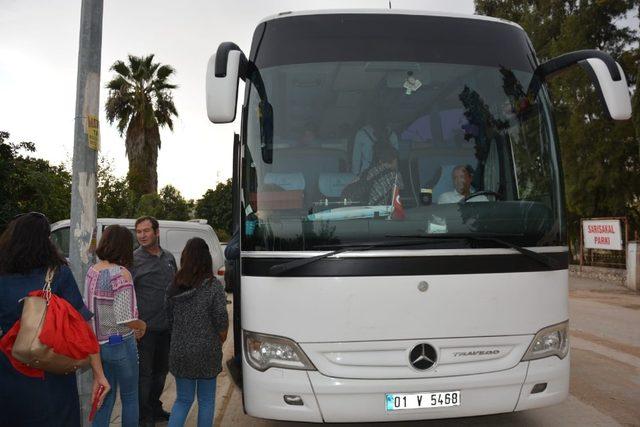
pixel 93 133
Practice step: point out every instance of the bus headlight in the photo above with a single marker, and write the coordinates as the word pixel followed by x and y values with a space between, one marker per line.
pixel 550 341
pixel 266 351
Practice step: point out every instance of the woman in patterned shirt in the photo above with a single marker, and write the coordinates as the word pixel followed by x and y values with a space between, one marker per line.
pixel 111 296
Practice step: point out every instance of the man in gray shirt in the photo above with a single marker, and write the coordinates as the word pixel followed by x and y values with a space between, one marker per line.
pixel 153 272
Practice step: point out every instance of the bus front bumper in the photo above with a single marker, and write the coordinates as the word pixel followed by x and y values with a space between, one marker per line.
pixel 326 399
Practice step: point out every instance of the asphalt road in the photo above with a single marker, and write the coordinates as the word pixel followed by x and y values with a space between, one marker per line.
pixel 605 371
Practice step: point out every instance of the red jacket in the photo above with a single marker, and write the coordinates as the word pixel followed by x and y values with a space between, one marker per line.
pixel 64 330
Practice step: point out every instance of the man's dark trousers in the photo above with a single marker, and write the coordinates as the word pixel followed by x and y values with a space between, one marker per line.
pixel 153 354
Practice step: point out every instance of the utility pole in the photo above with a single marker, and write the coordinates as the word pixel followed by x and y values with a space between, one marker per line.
pixel 86 142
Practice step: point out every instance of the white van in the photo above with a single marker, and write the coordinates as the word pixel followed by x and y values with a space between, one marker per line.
pixel 173 237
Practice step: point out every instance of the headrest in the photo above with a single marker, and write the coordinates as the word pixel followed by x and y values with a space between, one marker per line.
pixel 419 130
pixel 332 184
pixel 288 181
pixel 445 183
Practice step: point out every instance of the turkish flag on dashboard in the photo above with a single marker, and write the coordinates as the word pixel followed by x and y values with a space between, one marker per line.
pixel 398 209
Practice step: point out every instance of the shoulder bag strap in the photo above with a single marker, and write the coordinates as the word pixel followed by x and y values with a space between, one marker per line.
pixel 46 288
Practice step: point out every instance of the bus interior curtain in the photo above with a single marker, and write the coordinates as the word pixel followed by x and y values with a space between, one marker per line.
pixel 492 169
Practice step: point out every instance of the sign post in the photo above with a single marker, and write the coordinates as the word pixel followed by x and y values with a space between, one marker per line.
pixel 597 234
pixel 86 143
pixel 602 234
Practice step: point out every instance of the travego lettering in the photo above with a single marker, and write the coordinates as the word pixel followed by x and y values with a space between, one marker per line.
pixel 475 353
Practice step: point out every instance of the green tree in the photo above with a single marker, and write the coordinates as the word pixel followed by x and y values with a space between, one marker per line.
pixel 175 206
pixel 140 101
pixel 115 200
pixel 31 184
pixel 168 204
pixel 600 157
pixel 215 207
pixel 150 204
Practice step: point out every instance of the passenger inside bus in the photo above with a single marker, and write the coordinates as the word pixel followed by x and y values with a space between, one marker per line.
pixel 308 137
pixel 462 176
pixel 375 130
pixel 375 186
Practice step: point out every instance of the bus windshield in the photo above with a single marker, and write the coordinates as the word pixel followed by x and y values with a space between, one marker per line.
pixel 374 141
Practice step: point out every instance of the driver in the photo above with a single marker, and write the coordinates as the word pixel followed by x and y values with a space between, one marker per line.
pixel 461 176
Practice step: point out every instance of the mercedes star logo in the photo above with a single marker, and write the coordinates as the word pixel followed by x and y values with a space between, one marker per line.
pixel 423 356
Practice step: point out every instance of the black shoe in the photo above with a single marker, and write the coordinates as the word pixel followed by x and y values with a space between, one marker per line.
pixel 145 423
pixel 161 415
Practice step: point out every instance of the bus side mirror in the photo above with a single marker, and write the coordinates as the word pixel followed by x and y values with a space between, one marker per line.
pixel 223 71
pixel 606 74
pixel 614 94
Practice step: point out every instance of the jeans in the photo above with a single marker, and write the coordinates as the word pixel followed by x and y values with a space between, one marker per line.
pixel 120 364
pixel 185 390
pixel 153 349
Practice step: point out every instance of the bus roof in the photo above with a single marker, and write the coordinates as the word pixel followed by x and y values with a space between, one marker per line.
pixel 288 14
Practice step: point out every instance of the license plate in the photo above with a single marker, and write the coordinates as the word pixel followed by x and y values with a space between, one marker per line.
pixel 440 399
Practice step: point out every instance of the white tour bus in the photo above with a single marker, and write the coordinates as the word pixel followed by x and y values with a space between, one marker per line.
pixel 398 298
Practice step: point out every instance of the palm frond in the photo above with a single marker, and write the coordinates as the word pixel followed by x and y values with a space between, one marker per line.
pixel 160 87
pixel 165 105
pixel 134 63
pixel 161 117
pixel 170 123
pixel 152 70
pixel 121 68
pixel 138 69
pixel 148 61
pixel 123 123
pixel 147 65
pixel 119 108
pixel 171 107
pixel 119 83
pixel 164 72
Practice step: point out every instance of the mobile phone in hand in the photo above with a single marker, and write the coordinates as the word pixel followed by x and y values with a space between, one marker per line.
pixel 94 404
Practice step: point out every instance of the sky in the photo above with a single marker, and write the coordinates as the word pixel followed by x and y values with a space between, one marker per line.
pixel 38 72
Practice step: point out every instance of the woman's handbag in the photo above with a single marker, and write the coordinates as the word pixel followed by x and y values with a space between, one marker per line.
pixel 28 348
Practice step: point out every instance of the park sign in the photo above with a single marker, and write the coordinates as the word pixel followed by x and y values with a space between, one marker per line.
pixel 602 234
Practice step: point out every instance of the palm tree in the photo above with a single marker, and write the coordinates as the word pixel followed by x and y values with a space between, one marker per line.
pixel 141 102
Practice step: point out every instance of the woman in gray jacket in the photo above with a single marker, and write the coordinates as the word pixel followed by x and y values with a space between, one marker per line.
pixel 196 308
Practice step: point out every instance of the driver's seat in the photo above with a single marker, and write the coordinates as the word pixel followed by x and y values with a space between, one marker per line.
pixel 444 184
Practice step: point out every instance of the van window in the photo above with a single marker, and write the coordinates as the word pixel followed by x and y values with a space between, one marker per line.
pixel 60 238
pixel 177 239
pixel 136 245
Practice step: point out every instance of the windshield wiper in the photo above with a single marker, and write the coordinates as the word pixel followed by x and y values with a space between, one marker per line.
pixel 279 269
pixel 495 238
pixel 414 240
